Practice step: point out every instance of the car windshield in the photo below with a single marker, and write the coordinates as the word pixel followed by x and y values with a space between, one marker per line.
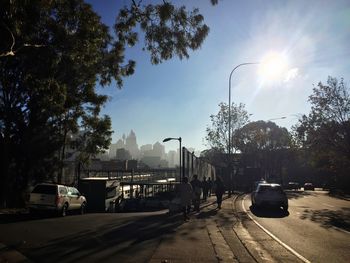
pixel 44 189
pixel 269 188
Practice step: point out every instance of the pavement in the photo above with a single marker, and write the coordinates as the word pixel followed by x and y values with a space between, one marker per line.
pixel 211 235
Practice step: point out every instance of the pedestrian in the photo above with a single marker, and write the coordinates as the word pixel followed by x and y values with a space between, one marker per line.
pixel 219 190
pixel 210 186
pixel 197 191
pixel 185 194
pixel 205 188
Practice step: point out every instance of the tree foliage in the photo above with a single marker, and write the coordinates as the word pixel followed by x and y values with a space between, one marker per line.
pixel 261 136
pixel 52 55
pixel 264 145
pixel 325 133
pixel 168 31
pixel 218 132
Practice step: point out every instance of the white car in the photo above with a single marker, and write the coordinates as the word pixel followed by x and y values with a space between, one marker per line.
pixel 56 198
pixel 269 195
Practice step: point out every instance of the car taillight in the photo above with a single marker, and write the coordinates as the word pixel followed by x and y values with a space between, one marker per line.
pixel 58 199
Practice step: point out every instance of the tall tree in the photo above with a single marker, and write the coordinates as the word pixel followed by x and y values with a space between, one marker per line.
pixel 325 132
pixel 52 55
pixel 218 132
pixel 264 145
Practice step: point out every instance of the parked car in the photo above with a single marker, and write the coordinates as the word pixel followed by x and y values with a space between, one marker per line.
pixel 309 186
pixel 293 186
pixel 56 198
pixel 269 195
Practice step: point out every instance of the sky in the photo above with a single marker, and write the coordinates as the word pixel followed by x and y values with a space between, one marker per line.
pixel 177 97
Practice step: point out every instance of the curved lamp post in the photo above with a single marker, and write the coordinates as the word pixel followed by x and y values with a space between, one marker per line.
pixel 280 118
pixel 229 118
pixel 179 139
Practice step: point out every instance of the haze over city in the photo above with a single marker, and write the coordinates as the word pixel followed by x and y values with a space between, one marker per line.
pixel 177 97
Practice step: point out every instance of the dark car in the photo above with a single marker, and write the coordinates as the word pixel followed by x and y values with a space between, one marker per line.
pixel 269 195
pixel 309 186
pixel 293 186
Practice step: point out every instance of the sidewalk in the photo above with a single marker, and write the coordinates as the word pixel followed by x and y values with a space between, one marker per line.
pixel 207 237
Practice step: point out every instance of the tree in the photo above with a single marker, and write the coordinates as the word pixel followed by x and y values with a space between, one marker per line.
pixel 264 145
pixel 325 133
pixel 52 55
pixel 218 133
pixel 168 31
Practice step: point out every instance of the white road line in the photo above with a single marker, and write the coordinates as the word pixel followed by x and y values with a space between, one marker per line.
pixel 274 237
pixel 340 229
pixel 328 205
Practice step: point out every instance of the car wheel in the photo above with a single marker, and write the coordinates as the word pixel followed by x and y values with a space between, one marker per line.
pixel 82 208
pixel 64 210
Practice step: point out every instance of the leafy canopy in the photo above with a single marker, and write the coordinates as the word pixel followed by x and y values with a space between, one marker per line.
pixel 52 55
pixel 218 132
pixel 325 132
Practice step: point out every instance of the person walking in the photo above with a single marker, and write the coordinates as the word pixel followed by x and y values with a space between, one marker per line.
pixel 197 191
pixel 210 186
pixel 219 190
pixel 205 188
pixel 185 194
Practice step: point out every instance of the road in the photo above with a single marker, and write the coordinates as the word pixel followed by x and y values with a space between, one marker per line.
pixel 317 226
pixel 93 237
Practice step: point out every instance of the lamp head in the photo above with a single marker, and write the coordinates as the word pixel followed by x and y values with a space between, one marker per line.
pixel 167 139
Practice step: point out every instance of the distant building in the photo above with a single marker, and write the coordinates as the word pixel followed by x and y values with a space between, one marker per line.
pixel 159 150
pixel 146 148
pixel 151 161
pixel 173 158
pixel 131 145
pixel 123 155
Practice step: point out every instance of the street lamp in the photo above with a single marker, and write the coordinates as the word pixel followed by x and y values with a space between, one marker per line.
pixel 179 139
pixel 229 119
pixel 272 64
pixel 280 118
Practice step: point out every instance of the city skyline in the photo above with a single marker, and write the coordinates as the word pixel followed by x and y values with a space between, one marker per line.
pixel 157 149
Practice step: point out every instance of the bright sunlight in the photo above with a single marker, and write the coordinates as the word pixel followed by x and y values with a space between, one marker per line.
pixel 273 66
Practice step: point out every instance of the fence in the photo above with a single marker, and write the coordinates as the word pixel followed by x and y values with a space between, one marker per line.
pixel 192 164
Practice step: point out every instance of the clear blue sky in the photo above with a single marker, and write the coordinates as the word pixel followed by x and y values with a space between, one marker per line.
pixel 177 97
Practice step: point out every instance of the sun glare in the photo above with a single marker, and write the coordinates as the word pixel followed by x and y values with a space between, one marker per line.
pixel 272 66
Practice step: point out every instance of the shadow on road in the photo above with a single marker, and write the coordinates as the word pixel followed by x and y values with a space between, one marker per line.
pixel 268 212
pixel 26 216
pixel 299 194
pixel 329 218
pixel 137 236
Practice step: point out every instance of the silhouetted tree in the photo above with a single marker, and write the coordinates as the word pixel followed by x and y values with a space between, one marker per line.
pixel 218 132
pixel 325 133
pixel 52 54
pixel 265 144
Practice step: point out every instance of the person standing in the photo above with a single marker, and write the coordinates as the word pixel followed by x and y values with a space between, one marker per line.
pixel 197 191
pixel 219 190
pixel 185 193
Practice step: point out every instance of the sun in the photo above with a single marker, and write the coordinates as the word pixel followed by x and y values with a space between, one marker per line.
pixel 273 66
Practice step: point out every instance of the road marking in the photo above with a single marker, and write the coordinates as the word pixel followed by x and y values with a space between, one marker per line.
pixel 340 229
pixel 328 205
pixel 274 237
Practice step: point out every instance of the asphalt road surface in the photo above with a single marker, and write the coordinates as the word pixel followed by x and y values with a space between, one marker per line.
pixel 316 226
pixel 98 237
